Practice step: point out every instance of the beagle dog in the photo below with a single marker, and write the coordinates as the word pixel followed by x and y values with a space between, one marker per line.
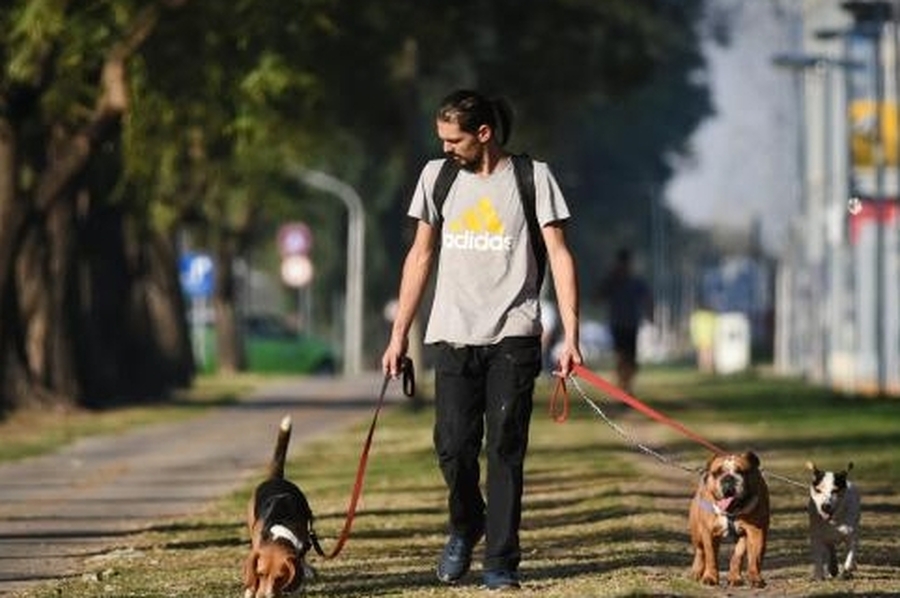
pixel 280 524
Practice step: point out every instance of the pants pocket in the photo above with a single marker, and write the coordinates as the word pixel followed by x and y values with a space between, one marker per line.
pixel 450 360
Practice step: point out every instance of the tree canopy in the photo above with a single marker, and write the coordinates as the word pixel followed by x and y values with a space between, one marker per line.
pixel 132 128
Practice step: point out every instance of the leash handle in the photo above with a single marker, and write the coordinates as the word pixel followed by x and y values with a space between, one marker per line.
pixel 560 395
pixel 408 375
pixel 409 388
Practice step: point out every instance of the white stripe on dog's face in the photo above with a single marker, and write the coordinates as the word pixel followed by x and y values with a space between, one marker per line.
pixel 825 491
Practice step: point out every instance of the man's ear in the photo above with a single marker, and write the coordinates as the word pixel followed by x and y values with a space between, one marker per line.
pixel 484 133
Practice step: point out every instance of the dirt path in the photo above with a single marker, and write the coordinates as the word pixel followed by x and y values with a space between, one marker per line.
pixel 58 509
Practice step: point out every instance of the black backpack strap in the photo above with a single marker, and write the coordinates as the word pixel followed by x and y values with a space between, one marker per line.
pixel 524 169
pixel 443 182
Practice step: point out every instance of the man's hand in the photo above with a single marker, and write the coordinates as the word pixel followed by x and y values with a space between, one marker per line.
pixel 569 357
pixel 393 356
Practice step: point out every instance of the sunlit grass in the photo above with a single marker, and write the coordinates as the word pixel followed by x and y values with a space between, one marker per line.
pixel 601 518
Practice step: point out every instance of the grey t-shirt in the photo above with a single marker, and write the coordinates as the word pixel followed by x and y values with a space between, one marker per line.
pixel 486 286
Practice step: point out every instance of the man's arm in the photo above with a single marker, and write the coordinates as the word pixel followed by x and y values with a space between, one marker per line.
pixel 416 269
pixel 565 282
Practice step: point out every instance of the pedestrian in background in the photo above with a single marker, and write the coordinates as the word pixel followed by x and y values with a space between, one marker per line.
pixel 629 302
pixel 484 324
pixel 703 334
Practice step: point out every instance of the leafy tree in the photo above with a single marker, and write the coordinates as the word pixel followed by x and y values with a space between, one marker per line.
pixel 89 301
pixel 131 128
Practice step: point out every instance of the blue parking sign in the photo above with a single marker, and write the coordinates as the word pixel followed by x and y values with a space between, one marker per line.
pixel 196 271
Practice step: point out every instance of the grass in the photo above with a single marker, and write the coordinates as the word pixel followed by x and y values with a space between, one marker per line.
pixel 601 518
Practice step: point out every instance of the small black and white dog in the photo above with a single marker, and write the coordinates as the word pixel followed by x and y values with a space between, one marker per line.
pixel 834 510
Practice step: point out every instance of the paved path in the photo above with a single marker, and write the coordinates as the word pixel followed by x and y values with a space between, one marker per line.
pixel 55 510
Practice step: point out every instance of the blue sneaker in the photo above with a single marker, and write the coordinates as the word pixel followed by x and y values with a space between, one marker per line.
pixel 501 579
pixel 456 558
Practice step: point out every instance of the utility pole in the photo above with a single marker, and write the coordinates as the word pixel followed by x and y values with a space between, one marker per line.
pixel 869 17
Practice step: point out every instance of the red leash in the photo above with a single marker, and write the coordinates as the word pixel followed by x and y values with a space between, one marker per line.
pixel 616 392
pixel 409 389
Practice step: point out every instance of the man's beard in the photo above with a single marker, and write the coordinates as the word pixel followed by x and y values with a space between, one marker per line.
pixel 470 165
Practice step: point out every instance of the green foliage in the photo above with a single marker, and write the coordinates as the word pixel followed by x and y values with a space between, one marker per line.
pixel 33 27
pixel 224 95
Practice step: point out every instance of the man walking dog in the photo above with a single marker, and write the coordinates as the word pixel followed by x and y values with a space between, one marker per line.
pixel 498 218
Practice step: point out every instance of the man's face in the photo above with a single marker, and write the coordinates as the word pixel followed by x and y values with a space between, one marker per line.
pixel 466 148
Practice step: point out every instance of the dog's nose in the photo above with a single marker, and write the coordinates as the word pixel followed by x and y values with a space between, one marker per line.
pixel 729 483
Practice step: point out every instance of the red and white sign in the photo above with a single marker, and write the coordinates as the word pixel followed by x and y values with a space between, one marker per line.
pixel 294 238
pixel 296 271
pixel 865 213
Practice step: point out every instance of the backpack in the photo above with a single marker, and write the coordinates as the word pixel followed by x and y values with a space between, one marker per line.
pixel 524 171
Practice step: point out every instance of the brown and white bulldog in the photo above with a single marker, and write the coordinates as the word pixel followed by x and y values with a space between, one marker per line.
pixel 281 532
pixel 731 502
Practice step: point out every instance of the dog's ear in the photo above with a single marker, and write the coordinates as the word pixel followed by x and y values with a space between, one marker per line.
pixel 251 579
pixel 849 466
pixel 817 473
pixel 294 576
pixel 752 459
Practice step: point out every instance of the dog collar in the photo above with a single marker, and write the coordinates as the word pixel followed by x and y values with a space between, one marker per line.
pixel 280 531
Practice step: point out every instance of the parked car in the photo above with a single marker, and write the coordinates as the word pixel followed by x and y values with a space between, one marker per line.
pixel 273 346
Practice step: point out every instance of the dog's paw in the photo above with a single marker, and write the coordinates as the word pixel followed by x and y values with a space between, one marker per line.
pixel 759 582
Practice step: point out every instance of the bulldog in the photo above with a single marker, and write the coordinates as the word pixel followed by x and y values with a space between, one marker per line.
pixel 834 509
pixel 731 502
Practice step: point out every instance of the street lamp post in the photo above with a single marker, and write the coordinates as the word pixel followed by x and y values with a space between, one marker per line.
pixel 353 328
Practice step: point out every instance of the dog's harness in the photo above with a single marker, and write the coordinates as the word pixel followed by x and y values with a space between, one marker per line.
pixel 732 531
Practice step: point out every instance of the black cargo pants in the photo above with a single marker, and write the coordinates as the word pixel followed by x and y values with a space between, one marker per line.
pixel 488 389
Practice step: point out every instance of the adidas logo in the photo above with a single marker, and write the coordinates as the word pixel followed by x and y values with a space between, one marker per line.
pixel 478 229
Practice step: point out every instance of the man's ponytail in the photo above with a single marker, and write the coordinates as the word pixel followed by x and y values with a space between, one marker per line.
pixel 503 119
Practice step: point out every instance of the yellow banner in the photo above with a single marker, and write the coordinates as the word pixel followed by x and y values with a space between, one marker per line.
pixel 862 133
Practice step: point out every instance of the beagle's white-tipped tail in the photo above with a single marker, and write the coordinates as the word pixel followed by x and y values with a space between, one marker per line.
pixel 276 466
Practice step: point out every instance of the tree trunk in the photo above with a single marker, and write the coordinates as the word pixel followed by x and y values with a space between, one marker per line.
pixel 231 357
pixel 133 337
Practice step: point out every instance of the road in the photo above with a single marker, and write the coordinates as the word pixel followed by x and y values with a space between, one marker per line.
pixel 56 510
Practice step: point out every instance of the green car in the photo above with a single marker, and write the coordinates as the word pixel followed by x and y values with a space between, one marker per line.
pixel 273 347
